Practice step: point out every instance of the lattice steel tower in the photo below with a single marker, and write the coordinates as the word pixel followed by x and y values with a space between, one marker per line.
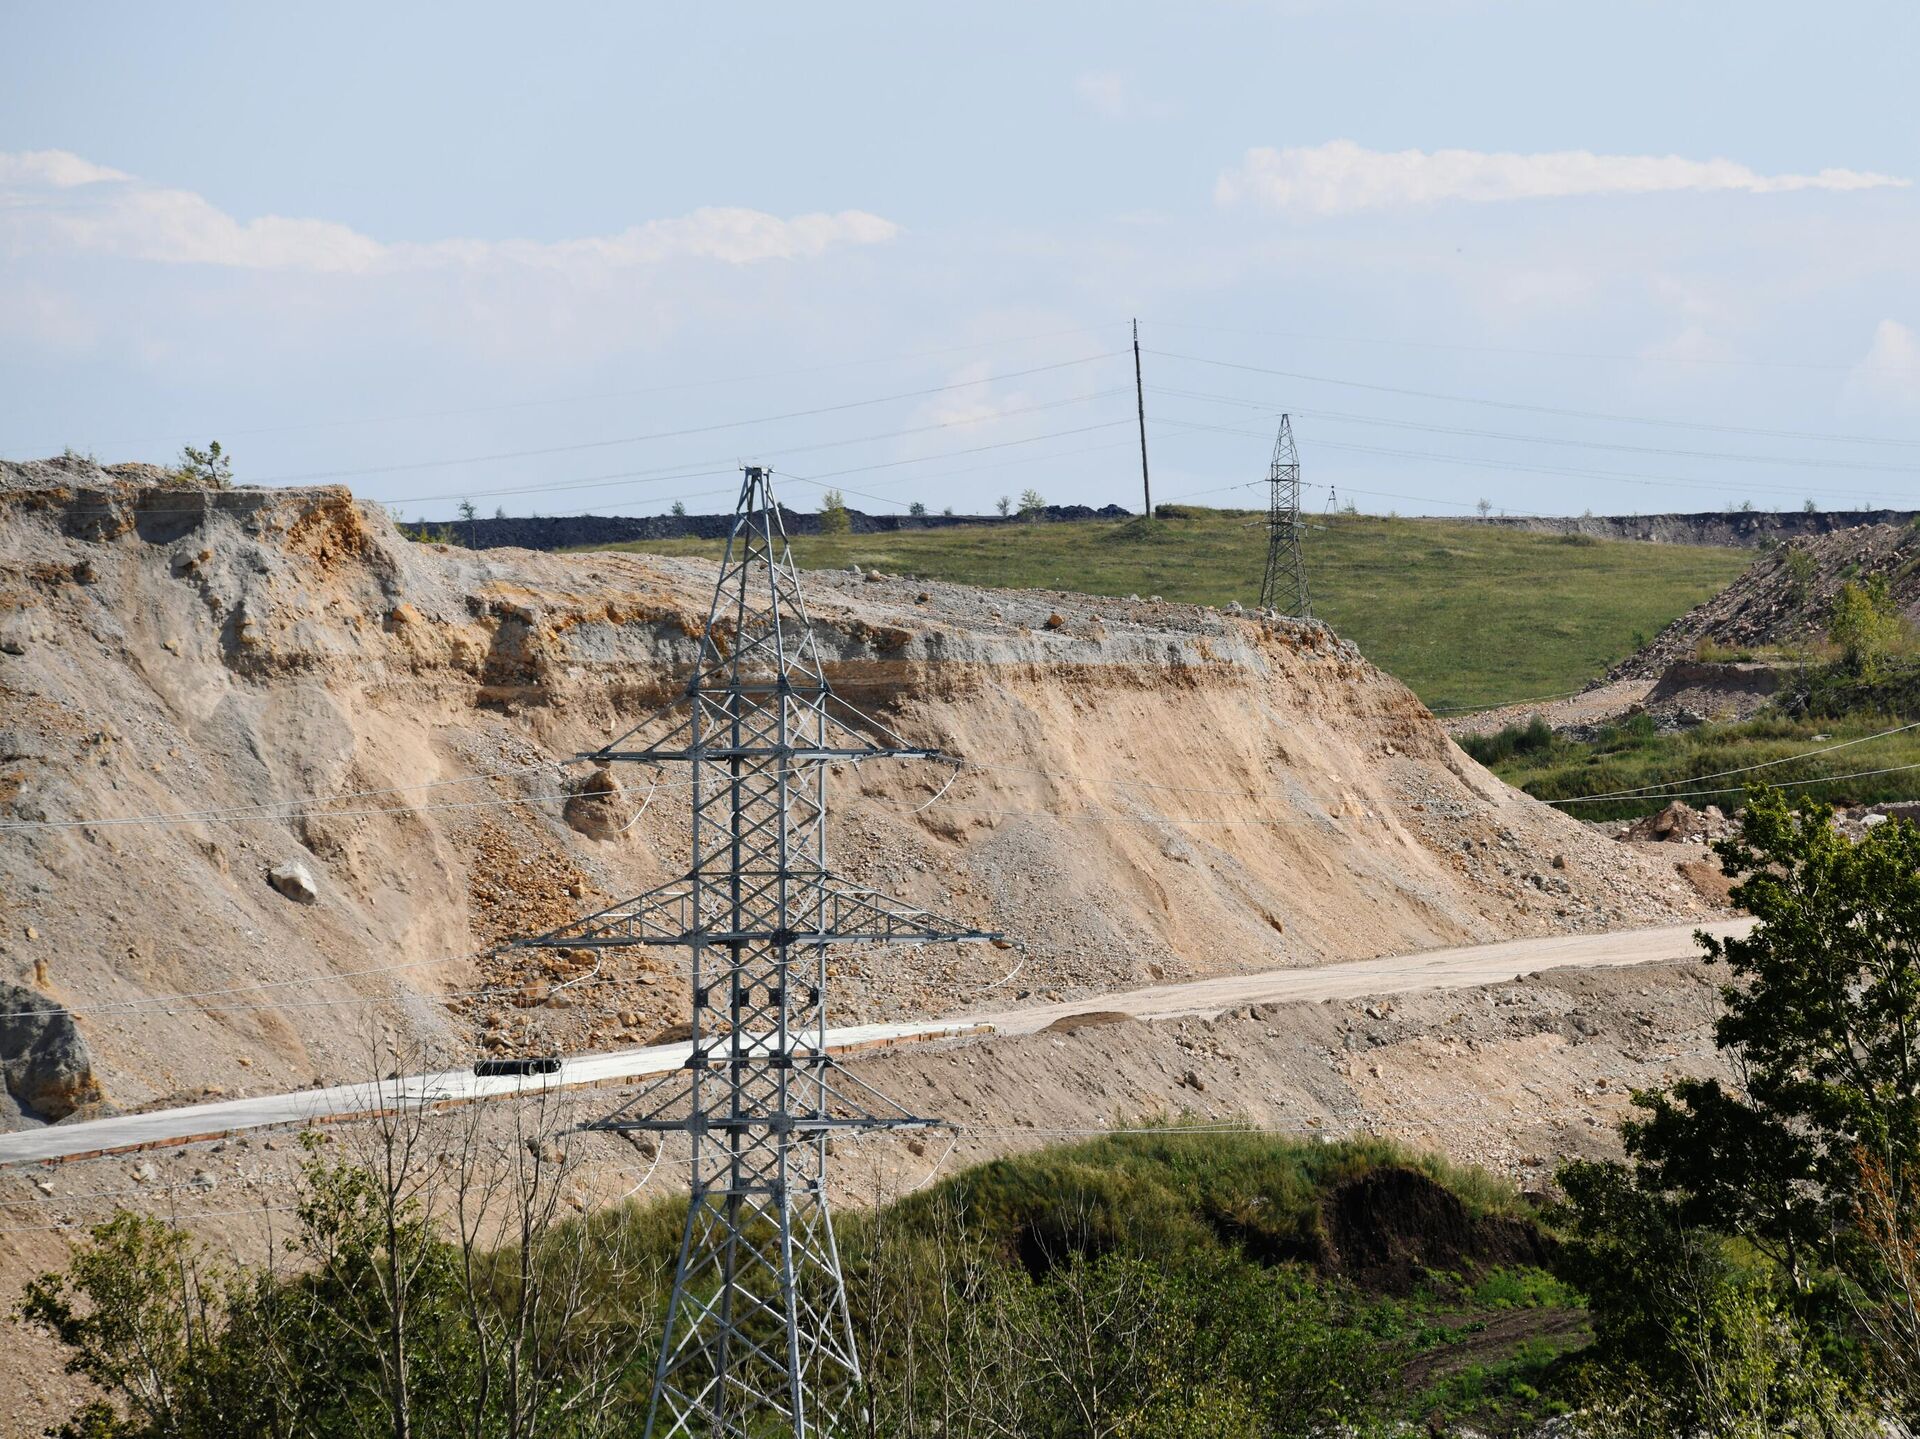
pixel 758 1340
pixel 1284 585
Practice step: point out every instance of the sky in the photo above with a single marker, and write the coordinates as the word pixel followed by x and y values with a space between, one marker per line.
pixel 1626 258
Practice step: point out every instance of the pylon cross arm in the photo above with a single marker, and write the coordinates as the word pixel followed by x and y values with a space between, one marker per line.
pixel 823 909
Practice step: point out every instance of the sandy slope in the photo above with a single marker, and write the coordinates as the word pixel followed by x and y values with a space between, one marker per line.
pixel 1158 792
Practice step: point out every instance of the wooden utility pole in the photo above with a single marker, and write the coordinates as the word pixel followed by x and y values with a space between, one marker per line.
pixel 1140 399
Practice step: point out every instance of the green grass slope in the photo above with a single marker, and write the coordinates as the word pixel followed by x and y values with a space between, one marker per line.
pixel 1465 614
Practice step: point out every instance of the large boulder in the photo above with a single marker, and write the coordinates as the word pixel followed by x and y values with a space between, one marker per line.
pixel 596 806
pixel 295 881
pixel 48 1068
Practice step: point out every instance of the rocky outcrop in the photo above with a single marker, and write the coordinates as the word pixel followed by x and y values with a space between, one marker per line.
pixel 48 1067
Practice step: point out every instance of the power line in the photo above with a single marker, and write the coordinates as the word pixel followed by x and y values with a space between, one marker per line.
pixel 1743 788
pixel 506 405
pixel 1528 353
pixel 665 474
pixel 1522 467
pixel 680 433
pixel 1528 407
pixel 1346 417
pixel 1641 790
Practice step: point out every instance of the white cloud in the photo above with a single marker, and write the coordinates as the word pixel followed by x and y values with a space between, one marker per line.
pixel 52 200
pixel 1889 375
pixel 1112 96
pixel 1342 176
pixel 1105 92
pixel 60 169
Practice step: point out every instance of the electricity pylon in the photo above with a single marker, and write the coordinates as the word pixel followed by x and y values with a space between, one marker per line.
pixel 1284 585
pixel 758 1340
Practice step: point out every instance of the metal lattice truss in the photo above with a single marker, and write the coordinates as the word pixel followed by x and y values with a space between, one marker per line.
pixel 758 1340
pixel 1284 585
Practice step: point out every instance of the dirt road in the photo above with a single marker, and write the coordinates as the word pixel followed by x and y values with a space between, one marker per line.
pixel 1458 968
pixel 1431 970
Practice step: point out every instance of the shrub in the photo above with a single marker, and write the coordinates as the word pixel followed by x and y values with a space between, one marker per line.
pixel 917 509
pixel 1031 504
pixel 1864 624
pixel 208 469
pixel 834 519
pixel 1532 737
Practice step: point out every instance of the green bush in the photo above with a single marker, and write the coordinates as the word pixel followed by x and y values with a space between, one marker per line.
pixel 834 519
pixel 1533 737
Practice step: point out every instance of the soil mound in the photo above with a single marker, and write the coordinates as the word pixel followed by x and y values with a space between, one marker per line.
pixel 1386 1229
pixel 1785 596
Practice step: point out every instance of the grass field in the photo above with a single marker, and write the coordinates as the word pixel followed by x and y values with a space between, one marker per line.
pixel 1465 614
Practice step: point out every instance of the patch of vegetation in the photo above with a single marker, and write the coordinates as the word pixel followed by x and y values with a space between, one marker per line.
pixel 1750 1270
pixel 208 469
pixel 1132 1285
pixel 1505 1394
pixel 1465 614
pixel 1533 737
pixel 834 519
pixel 1694 764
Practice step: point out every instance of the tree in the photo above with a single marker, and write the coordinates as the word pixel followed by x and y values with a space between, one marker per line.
pixel 1484 506
pixel 1688 1338
pixel 834 519
pixel 1003 504
pixel 468 510
pixel 1811 506
pixel 499 512
pixel 948 511
pixel 1821 1014
pixel 917 509
pixel 211 468
pixel 1801 569
pixel 678 508
pixel 1864 623
pixel 522 1325
pixel 1031 504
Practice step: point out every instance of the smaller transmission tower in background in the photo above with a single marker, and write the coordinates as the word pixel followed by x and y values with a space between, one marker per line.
pixel 1284 586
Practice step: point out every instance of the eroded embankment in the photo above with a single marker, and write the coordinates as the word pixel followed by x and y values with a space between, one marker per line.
pixel 1150 791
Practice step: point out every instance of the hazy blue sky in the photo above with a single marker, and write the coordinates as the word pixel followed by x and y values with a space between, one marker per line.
pixel 518 252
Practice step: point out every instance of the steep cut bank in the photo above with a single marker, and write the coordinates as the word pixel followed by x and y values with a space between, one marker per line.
pixel 276 780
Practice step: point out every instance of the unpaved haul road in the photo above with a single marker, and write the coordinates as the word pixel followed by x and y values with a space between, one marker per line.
pixel 1433 969
pixel 1461 968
